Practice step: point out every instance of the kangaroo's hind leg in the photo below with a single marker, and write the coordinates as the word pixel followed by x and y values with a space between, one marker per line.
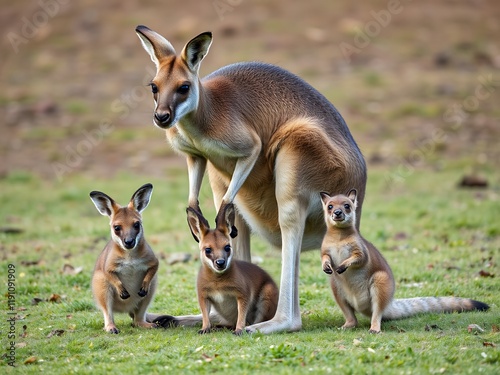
pixel 381 294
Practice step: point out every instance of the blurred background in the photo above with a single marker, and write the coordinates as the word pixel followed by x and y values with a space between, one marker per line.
pixel 417 81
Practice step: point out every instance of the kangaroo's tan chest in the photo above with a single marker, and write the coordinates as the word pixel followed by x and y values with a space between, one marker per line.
pixel 354 287
pixel 131 272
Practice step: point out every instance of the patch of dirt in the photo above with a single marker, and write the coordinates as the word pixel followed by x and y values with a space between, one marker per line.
pixel 415 80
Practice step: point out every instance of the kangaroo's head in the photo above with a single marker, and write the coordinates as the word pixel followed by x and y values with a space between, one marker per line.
pixel 126 221
pixel 340 210
pixel 216 251
pixel 176 85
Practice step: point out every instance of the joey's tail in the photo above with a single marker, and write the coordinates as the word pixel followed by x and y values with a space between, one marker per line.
pixel 403 308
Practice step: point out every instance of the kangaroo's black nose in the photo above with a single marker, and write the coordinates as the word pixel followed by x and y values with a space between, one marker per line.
pixel 162 117
pixel 129 242
pixel 220 263
pixel 337 212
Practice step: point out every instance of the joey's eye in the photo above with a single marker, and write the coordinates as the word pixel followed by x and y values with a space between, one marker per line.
pixel 117 228
pixel 154 88
pixel 347 206
pixel 183 89
pixel 208 251
pixel 137 225
pixel 330 206
pixel 227 248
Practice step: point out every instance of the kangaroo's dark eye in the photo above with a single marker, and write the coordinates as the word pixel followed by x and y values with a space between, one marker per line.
pixel 347 206
pixel 154 88
pixel 330 206
pixel 137 225
pixel 227 248
pixel 183 89
pixel 117 228
pixel 208 251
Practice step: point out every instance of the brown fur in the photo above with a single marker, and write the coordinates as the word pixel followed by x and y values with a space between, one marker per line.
pixel 270 143
pixel 361 279
pixel 124 278
pixel 241 292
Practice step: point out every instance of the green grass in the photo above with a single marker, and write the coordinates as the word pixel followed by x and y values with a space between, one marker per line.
pixel 435 236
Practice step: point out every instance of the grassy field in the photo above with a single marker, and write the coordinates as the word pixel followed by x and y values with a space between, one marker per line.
pixel 439 240
pixel 420 93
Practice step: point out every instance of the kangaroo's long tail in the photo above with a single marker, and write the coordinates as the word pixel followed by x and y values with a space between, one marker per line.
pixel 402 308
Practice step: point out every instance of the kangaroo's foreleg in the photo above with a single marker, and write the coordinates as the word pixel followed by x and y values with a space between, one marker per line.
pixel 357 258
pixel 244 166
pixel 196 169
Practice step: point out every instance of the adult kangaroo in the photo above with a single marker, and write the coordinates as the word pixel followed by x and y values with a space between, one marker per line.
pixel 270 143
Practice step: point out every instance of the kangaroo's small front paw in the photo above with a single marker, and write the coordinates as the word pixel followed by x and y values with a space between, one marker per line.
pixel 204 331
pixel 372 331
pixel 238 332
pixel 142 292
pixel 124 294
pixel 341 269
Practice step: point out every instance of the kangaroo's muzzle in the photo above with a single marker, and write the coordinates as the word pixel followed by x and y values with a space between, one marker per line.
pixel 220 264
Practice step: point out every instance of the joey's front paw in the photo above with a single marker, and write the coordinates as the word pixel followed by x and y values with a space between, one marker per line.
pixel 143 292
pixel 204 331
pixel 327 268
pixel 124 294
pixel 341 269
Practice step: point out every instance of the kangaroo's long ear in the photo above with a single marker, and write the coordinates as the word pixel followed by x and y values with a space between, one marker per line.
pixel 195 50
pixel 325 197
pixel 197 224
pixel 352 196
pixel 155 45
pixel 141 197
pixel 225 220
pixel 104 203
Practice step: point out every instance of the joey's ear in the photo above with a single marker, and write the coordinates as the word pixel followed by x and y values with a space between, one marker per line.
pixel 197 224
pixel 155 45
pixel 352 195
pixel 195 50
pixel 324 197
pixel 104 203
pixel 234 232
pixel 225 220
pixel 141 197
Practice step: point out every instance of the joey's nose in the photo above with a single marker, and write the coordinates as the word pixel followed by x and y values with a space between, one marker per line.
pixel 337 212
pixel 162 117
pixel 220 263
pixel 129 243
